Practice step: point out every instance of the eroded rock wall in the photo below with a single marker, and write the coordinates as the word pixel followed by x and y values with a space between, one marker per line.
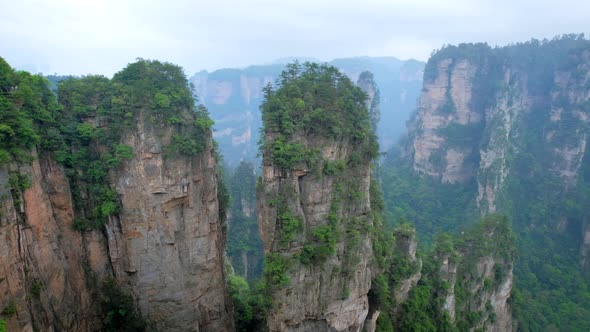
pixel 327 296
pixel 45 264
pixel 163 244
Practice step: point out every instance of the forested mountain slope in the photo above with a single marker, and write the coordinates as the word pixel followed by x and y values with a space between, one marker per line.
pixel 506 130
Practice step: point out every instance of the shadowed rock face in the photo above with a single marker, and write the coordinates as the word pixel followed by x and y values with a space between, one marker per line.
pixel 165 246
pixel 39 247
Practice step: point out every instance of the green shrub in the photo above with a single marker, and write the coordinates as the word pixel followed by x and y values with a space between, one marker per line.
pixel 314 100
pixel 19 181
pixel 289 227
pixel 275 270
pixel 335 167
pixel 321 246
pixel 119 310
pixel 384 323
pixel 10 309
pixel 186 145
pixel 36 287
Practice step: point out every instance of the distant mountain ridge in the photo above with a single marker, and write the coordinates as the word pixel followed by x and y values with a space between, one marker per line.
pixel 233 97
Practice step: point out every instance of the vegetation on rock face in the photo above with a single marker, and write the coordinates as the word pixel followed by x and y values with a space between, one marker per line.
pixel 314 103
pixel 313 108
pixel 551 289
pixel 97 112
pixel 424 309
pixel 83 130
pixel 120 312
pixel 10 309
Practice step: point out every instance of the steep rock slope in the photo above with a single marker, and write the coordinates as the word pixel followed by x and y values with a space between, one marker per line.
pixel 110 216
pixel 462 284
pixel 506 130
pixel 478 268
pixel 244 244
pixel 314 206
pixel 366 82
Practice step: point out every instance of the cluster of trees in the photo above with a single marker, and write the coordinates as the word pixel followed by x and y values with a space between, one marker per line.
pixel 244 245
pixel 311 100
pixel 27 114
pixel 432 207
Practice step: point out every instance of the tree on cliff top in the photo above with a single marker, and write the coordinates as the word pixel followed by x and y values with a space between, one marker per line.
pixel 314 100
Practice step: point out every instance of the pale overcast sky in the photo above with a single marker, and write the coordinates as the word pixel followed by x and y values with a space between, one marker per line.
pixel 102 36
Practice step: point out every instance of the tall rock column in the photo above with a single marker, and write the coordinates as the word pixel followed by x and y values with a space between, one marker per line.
pixel 112 220
pixel 314 206
pixel 168 244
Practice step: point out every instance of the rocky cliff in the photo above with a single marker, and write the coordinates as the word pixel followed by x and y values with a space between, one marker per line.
pixel 478 277
pixel 112 220
pixel 506 130
pixel 314 206
pixel 474 114
pixel 366 82
pixel 463 284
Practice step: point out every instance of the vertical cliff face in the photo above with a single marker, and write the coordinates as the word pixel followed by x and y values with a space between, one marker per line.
pixel 126 226
pixel 167 245
pixel 463 284
pixel 480 108
pixel 479 277
pixel 506 130
pixel 367 83
pixel 45 284
pixel 314 206
pixel 445 103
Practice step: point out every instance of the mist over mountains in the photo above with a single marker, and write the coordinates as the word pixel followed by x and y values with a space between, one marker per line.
pixel 233 97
